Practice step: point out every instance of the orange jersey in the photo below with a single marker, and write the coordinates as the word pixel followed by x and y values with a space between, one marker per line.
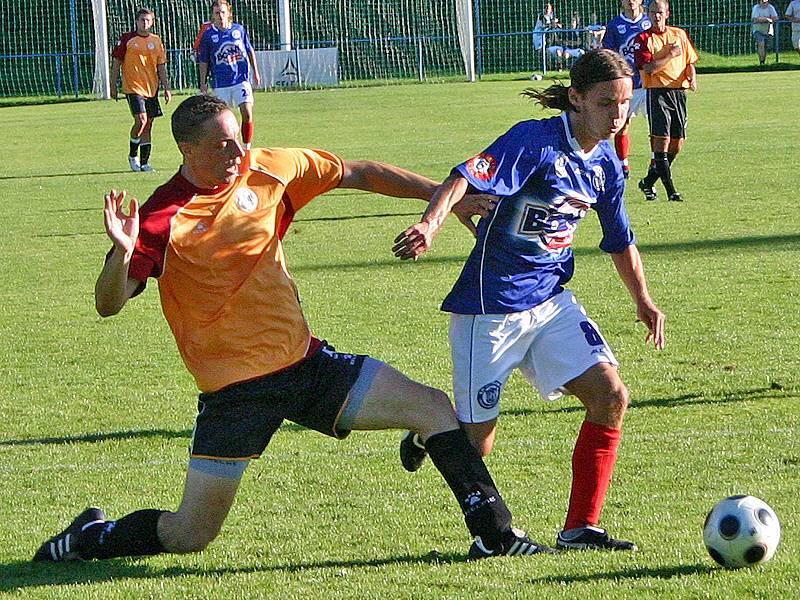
pixel 140 57
pixel 649 46
pixel 218 258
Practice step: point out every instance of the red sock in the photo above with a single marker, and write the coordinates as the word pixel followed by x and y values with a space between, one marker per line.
pixel 622 142
pixel 592 465
pixel 247 132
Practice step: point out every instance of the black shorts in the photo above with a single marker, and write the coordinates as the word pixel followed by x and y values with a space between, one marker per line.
pixel 139 104
pixel 666 110
pixel 238 421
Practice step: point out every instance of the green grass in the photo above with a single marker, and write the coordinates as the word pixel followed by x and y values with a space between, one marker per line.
pixel 100 411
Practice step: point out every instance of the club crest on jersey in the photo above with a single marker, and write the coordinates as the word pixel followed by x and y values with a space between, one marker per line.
pixel 489 395
pixel 236 34
pixel 482 167
pixel 560 165
pixel 246 200
pixel 621 29
pixel 151 46
pixel 598 178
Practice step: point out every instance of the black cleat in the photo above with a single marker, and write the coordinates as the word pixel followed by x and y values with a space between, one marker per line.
pixel 591 538
pixel 675 197
pixel 517 544
pixel 650 193
pixel 412 451
pixel 62 547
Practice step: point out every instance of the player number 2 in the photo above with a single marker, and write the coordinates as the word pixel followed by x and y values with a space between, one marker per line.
pixel 592 335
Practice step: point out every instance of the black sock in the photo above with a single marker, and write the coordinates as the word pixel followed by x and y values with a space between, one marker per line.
pixel 664 171
pixel 135 534
pixel 463 469
pixel 652 175
pixel 134 147
pixel 144 152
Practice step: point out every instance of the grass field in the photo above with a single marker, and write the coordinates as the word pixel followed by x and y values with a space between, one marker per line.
pixel 100 411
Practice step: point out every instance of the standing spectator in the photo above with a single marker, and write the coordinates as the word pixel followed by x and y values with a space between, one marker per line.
pixel 764 18
pixel 547 21
pixel 141 57
pixel 510 309
pixel 793 16
pixel 620 33
pixel 665 58
pixel 226 51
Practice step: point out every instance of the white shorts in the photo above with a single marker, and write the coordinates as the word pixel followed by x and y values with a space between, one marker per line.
pixel 796 39
pixel 235 95
pixel 551 344
pixel 638 103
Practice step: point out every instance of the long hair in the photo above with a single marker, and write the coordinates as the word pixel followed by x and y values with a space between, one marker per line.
pixel 596 66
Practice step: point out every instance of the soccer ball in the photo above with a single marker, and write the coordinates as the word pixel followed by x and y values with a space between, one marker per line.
pixel 741 531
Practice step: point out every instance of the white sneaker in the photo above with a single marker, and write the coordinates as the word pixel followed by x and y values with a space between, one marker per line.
pixel 133 161
pixel 145 168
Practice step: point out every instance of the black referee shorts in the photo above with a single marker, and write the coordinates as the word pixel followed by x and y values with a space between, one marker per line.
pixel 238 421
pixel 666 111
pixel 139 104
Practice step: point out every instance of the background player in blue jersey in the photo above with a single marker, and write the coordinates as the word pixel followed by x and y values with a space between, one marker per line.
pixel 509 306
pixel 226 51
pixel 620 33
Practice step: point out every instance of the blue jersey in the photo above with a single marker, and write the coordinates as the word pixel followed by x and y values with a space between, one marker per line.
pixel 226 53
pixel 620 33
pixel 546 184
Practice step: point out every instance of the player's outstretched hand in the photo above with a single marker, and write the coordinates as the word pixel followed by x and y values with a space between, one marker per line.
pixel 413 242
pixel 654 320
pixel 471 205
pixel 123 229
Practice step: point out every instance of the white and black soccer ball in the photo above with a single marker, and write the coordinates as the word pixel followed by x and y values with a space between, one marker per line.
pixel 741 531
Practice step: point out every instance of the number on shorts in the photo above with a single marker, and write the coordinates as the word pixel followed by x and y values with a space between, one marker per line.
pixel 592 335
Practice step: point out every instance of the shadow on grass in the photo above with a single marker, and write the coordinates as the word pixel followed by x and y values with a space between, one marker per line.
pixel 743 243
pixel 682 400
pixel 51 175
pixel 129 434
pixel 638 573
pixel 25 574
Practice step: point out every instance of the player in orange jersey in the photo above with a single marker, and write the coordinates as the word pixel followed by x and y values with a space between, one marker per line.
pixel 665 58
pixel 141 56
pixel 211 236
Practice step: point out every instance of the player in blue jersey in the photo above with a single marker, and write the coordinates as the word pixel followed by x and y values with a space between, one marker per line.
pixel 226 52
pixel 509 308
pixel 620 33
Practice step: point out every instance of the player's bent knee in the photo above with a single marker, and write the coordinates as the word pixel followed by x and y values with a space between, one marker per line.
pixel 433 412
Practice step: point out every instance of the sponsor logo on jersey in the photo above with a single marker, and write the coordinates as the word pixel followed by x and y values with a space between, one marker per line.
pixel 482 167
pixel 246 199
pixel 228 53
pixel 552 225
pixel 489 395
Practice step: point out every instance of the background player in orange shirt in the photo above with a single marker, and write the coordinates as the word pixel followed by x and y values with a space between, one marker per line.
pixel 141 57
pixel 212 238
pixel 665 57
